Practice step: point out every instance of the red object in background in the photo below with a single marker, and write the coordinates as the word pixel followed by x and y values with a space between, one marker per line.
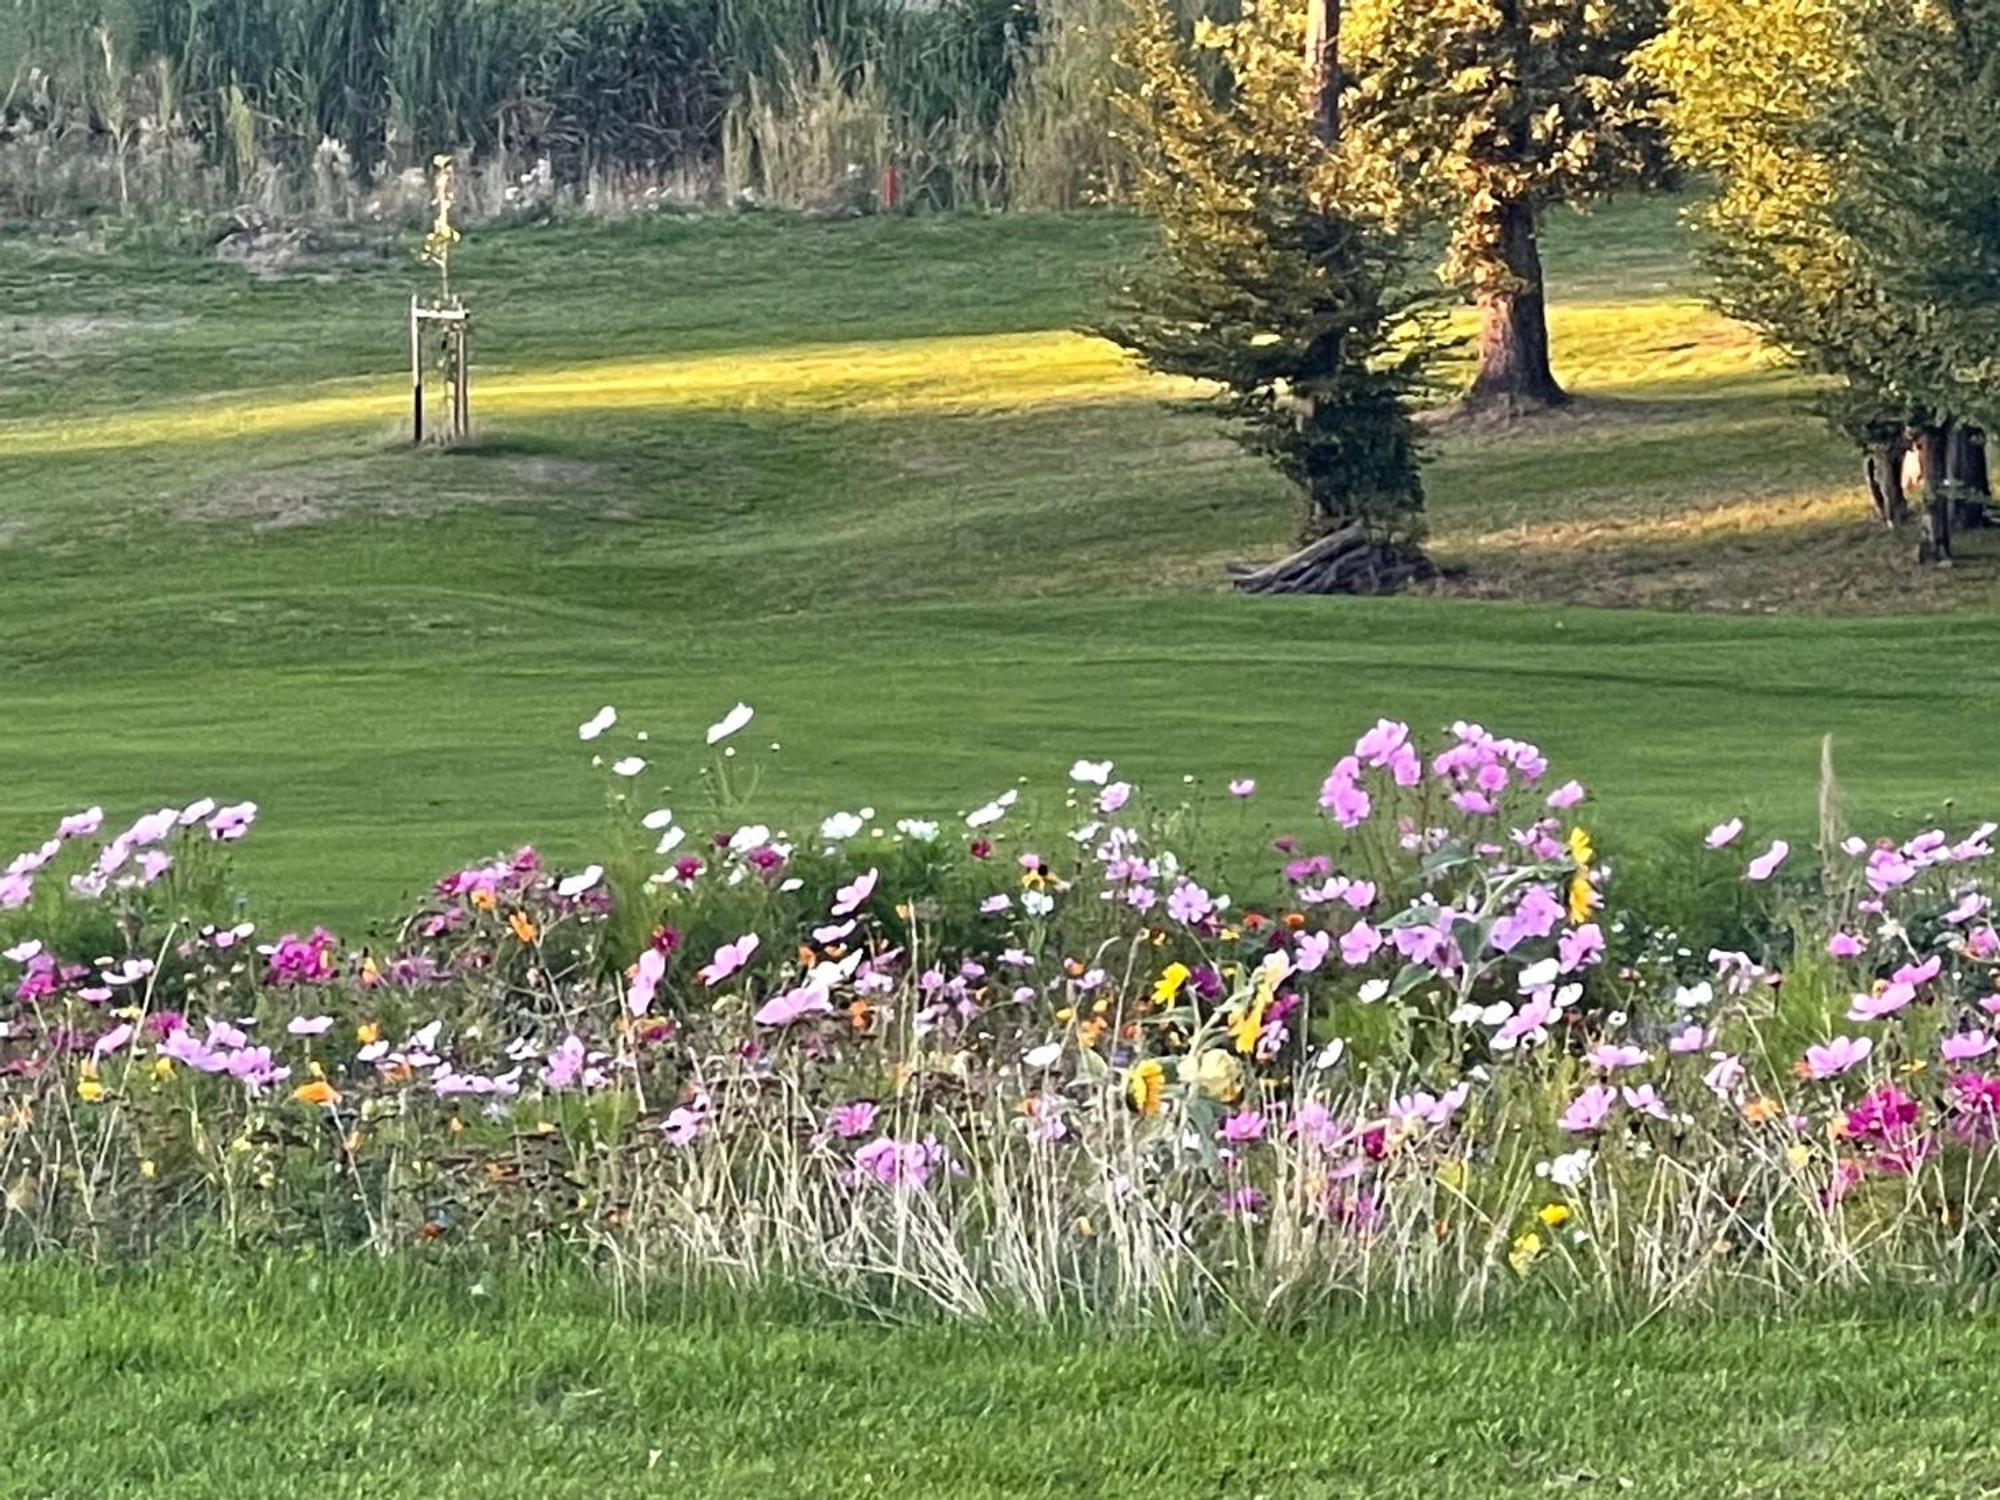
pixel 891 189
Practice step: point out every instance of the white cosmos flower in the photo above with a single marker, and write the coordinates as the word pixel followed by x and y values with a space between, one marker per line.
pixel 1540 976
pixel 602 720
pixel 670 840
pixel 730 722
pixel 657 819
pixel 981 817
pixel 749 836
pixel 1091 772
pixel 631 765
pixel 1045 1056
pixel 1330 1054
pixel 920 829
pixel 1568 1170
pixel 840 826
pixel 1037 903
pixel 581 881
pixel 1694 997
pixel 1372 991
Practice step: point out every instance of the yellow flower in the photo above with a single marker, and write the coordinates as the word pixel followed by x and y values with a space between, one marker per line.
pixel 1145 1086
pixel 319 1091
pixel 1523 1252
pixel 1579 848
pixel 522 927
pixel 1452 1175
pixel 89 1090
pixel 1583 899
pixel 149 1169
pixel 1168 985
pixel 1554 1215
pixel 163 1068
pixel 367 1032
pixel 1215 1073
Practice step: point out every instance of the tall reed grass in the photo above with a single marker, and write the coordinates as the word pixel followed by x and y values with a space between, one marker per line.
pixel 296 108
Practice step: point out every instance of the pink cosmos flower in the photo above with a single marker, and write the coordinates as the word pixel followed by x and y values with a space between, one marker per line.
pixel 1846 945
pixel 112 1040
pixel 1359 944
pixel 1114 797
pixel 1875 1005
pixel 851 897
pixel 16 891
pixel 1243 1127
pixel 794 1005
pixel 1723 1078
pixel 1765 865
pixel 1589 1110
pixel 1580 948
pixel 850 1120
pixel 1567 795
pixel 1688 1039
pixel 81 825
pixel 1965 1046
pixel 1916 974
pixel 1189 904
pixel 729 958
pixel 231 823
pixel 646 976
pixel 1310 951
pixel 1612 1058
pixel 1645 1100
pixel 1722 835
pixel 1242 787
pixel 1831 1059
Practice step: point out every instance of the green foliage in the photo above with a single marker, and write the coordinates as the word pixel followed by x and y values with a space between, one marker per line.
pixel 1920 200
pixel 1470 107
pixel 1277 278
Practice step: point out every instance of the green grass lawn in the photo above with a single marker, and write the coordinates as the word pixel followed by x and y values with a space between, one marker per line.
pixel 369 1381
pixel 862 475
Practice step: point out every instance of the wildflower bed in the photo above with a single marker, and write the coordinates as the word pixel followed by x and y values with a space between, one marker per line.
pixel 1039 1065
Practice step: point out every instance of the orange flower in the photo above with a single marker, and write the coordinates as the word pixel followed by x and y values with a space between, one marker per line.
pixel 319 1091
pixel 1253 921
pixel 1761 1111
pixel 483 899
pixel 807 958
pixel 1294 921
pixel 522 927
pixel 857 1015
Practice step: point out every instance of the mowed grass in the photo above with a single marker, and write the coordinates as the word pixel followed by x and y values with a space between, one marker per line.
pixel 867 477
pixel 367 1380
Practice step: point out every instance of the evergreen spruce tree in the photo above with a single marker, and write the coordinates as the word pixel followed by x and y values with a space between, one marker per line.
pixel 1277 282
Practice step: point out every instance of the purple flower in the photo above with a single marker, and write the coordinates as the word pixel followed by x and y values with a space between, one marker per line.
pixel 1189 904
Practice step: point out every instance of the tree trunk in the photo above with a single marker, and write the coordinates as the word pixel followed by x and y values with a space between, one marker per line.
pixel 1323 69
pixel 1934 540
pixel 1514 373
pixel 1884 471
pixel 1965 470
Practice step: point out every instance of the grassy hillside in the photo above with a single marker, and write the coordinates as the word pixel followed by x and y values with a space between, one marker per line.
pixel 863 475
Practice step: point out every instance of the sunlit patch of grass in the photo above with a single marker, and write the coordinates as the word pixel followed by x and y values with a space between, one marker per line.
pixel 998 371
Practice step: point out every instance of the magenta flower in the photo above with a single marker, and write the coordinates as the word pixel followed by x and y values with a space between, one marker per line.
pixel 1589 1110
pixel 1831 1059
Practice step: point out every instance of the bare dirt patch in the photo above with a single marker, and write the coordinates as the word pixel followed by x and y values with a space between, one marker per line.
pixel 57 337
